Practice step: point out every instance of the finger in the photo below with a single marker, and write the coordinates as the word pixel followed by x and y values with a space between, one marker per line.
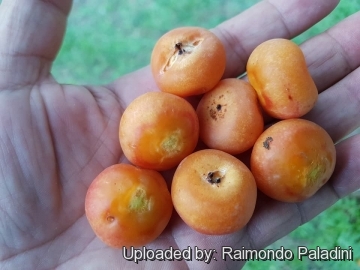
pixel 31 32
pixel 338 108
pixel 345 179
pixel 266 20
pixel 333 54
pixel 240 35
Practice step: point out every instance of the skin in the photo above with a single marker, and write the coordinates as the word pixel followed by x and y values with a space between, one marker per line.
pixel 55 139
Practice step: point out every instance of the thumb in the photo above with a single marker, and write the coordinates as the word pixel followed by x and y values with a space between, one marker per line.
pixel 31 32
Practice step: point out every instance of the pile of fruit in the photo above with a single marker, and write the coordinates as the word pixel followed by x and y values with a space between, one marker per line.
pixel 212 190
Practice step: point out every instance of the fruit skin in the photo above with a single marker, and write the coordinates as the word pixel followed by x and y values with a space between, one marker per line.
pixel 188 61
pixel 157 130
pixel 292 160
pixel 128 206
pixel 230 117
pixel 213 208
pixel 278 72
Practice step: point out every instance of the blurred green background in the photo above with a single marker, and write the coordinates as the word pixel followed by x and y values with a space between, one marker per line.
pixel 104 41
pixel 109 38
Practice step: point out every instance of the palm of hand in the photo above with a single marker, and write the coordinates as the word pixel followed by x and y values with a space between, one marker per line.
pixel 73 137
pixel 61 137
pixel 55 139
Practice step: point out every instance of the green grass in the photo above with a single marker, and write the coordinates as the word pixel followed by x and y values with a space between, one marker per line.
pixel 107 39
pixel 104 41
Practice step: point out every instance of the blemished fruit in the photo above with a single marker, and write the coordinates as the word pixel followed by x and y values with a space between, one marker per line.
pixel 292 160
pixel 157 130
pixel 188 61
pixel 128 206
pixel 278 72
pixel 230 117
pixel 213 192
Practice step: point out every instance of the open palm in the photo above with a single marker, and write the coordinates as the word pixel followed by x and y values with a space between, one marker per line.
pixel 54 139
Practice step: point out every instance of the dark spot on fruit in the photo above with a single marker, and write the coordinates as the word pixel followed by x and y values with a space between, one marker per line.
pixel 178 46
pixel 290 97
pixel 267 142
pixel 217 110
pixel 213 177
pixel 213 114
pixel 110 219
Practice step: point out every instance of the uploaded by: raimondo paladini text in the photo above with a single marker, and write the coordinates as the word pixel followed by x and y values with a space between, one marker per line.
pixel 228 253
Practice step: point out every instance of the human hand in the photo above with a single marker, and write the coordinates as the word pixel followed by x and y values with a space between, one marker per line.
pixel 54 139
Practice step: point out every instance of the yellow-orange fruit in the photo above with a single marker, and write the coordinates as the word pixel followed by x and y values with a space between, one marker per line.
pixel 188 61
pixel 214 192
pixel 128 206
pixel 230 117
pixel 278 72
pixel 292 159
pixel 157 130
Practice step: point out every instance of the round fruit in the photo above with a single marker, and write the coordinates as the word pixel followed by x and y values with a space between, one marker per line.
pixel 128 206
pixel 278 72
pixel 230 117
pixel 292 159
pixel 157 130
pixel 188 61
pixel 213 192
